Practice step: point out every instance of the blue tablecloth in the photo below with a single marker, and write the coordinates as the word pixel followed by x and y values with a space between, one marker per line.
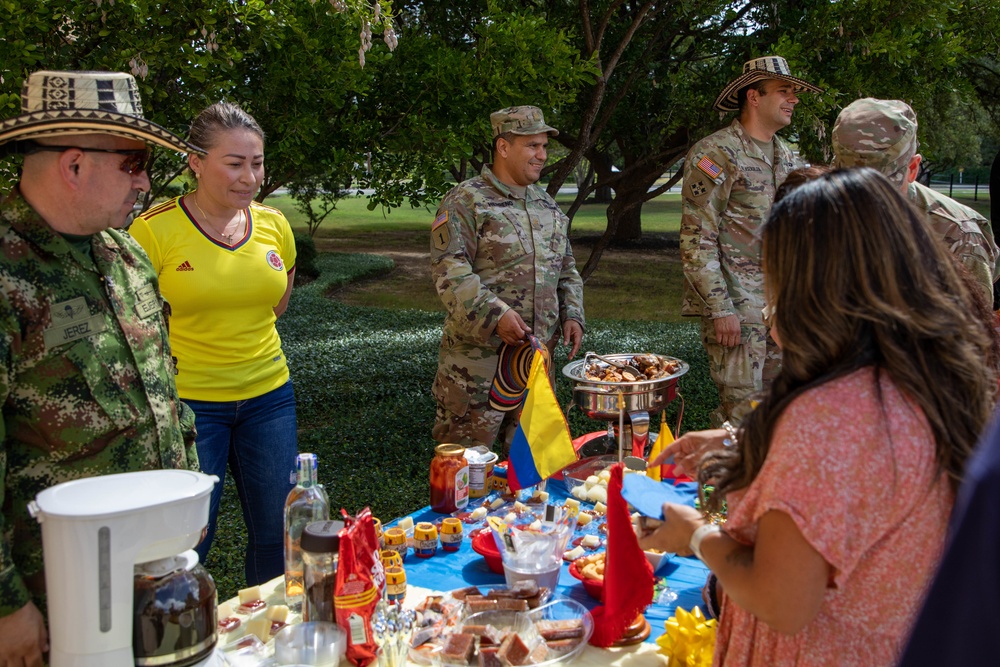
pixel 452 570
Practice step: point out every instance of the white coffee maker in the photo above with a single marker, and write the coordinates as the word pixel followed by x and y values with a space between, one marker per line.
pixel 94 532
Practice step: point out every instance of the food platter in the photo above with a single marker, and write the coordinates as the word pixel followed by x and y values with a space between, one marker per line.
pixel 599 399
pixel 554 632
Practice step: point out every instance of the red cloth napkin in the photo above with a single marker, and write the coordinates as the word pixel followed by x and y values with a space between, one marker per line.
pixel 628 576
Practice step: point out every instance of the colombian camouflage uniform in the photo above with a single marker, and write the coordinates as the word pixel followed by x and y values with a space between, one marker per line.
pixel 729 186
pixel 87 381
pixel 882 134
pixel 494 247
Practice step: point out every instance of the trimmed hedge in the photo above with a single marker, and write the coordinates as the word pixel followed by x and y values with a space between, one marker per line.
pixel 362 381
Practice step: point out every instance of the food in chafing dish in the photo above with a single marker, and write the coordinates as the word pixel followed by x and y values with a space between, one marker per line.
pixel 651 366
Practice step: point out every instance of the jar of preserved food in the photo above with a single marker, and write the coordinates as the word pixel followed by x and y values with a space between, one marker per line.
pixel 449 479
pixel 320 546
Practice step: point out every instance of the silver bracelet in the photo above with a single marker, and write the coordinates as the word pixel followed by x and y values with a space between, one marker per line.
pixel 730 441
pixel 698 535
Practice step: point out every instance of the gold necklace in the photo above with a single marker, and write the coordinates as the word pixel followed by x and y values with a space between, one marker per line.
pixel 228 237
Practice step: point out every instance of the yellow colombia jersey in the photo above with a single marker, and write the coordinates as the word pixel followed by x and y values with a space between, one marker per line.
pixel 222 323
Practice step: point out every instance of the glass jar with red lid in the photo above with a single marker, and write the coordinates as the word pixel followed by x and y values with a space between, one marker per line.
pixel 449 479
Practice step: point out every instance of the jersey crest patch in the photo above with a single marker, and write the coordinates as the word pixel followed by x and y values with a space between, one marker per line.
pixel 274 260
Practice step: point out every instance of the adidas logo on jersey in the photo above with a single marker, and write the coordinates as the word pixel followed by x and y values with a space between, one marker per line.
pixel 186 266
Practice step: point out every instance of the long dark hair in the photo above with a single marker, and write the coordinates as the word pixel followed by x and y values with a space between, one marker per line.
pixel 856 278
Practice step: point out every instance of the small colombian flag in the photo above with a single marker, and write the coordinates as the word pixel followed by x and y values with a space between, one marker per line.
pixel 542 445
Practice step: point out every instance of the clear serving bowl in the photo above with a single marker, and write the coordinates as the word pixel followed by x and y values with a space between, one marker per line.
pixel 557 609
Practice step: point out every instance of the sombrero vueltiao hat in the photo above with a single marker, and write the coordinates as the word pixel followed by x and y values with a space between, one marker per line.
pixel 513 371
pixel 758 69
pixel 62 103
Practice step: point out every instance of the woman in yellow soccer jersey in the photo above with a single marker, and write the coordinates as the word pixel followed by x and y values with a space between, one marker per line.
pixel 226 266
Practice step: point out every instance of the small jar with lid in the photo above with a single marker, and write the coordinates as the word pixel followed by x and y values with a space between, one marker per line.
pixel 449 479
pixel 425 539
pixel 451 534
pixel 320 545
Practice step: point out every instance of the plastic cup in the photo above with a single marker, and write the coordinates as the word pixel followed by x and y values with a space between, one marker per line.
pixel 310 643
pixel 545 576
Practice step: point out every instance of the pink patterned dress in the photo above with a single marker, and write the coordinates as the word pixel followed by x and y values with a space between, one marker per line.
pixel 858 478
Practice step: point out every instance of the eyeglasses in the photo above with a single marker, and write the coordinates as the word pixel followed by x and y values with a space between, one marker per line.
pixel 136 160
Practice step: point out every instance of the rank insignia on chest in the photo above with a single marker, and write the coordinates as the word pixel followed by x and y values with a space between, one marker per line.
pixel 440 232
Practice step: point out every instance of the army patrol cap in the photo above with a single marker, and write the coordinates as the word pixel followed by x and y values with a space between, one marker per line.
pixel 524 120
pixel 881 134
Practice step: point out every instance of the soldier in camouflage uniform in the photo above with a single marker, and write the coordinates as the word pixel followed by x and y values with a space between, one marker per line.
pixel 86 378
pixel 503 266
pixel 730 178
pixel 882 134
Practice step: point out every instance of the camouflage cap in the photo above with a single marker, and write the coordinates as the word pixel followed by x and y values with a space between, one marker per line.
pixel 881 134
pixel 520 120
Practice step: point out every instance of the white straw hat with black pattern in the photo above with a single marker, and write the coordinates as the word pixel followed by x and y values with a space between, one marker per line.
pixel 758 69
pixel 62 103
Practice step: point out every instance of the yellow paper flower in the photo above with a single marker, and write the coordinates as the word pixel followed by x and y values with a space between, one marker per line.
pixel 689 639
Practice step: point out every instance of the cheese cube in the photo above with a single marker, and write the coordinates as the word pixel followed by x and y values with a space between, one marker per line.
pixel 576 552
pixel 260 626
pixel 405 524
pixel 496 503
pixel 573 503
pixel 592 541
pixel 478 513
pixel 536 525
pixel 225 610
pixel 541 496
pixel 583 518
pixel 278 612
pixel 601 508
pixel 249 594
pixel 520 507
pixel 510 518
pixel 597 494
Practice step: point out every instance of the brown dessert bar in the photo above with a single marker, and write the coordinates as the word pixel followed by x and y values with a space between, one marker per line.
pixel 459 648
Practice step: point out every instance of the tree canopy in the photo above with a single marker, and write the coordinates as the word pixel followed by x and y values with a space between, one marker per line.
pixel 629 83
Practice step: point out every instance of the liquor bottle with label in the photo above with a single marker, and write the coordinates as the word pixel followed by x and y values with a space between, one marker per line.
pixel 306 503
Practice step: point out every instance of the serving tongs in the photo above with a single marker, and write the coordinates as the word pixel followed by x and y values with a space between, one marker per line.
pixel 629 372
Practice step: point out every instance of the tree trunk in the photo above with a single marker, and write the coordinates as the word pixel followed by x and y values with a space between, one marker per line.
pixel 603 194
pixel 627 208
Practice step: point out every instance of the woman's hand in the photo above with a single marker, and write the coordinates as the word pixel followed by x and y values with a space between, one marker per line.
pixel 688 449
pixel 674 534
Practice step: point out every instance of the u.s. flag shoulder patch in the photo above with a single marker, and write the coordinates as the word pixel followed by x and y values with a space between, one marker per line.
pixel 710 167
pixel 440 220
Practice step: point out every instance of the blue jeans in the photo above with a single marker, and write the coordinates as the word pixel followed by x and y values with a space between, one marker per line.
pixel 257 438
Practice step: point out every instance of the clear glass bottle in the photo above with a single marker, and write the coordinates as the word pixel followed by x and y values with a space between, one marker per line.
pixel 306 503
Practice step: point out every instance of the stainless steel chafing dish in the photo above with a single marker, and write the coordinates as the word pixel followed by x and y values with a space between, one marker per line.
pixel 599 400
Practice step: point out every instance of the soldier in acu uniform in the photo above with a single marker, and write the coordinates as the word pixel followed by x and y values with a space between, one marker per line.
pixel 86 378
pixel 503 266
pixel 730 178
pixel 882 134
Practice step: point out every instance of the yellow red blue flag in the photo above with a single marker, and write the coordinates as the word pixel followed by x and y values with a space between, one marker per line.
pixel 542 445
